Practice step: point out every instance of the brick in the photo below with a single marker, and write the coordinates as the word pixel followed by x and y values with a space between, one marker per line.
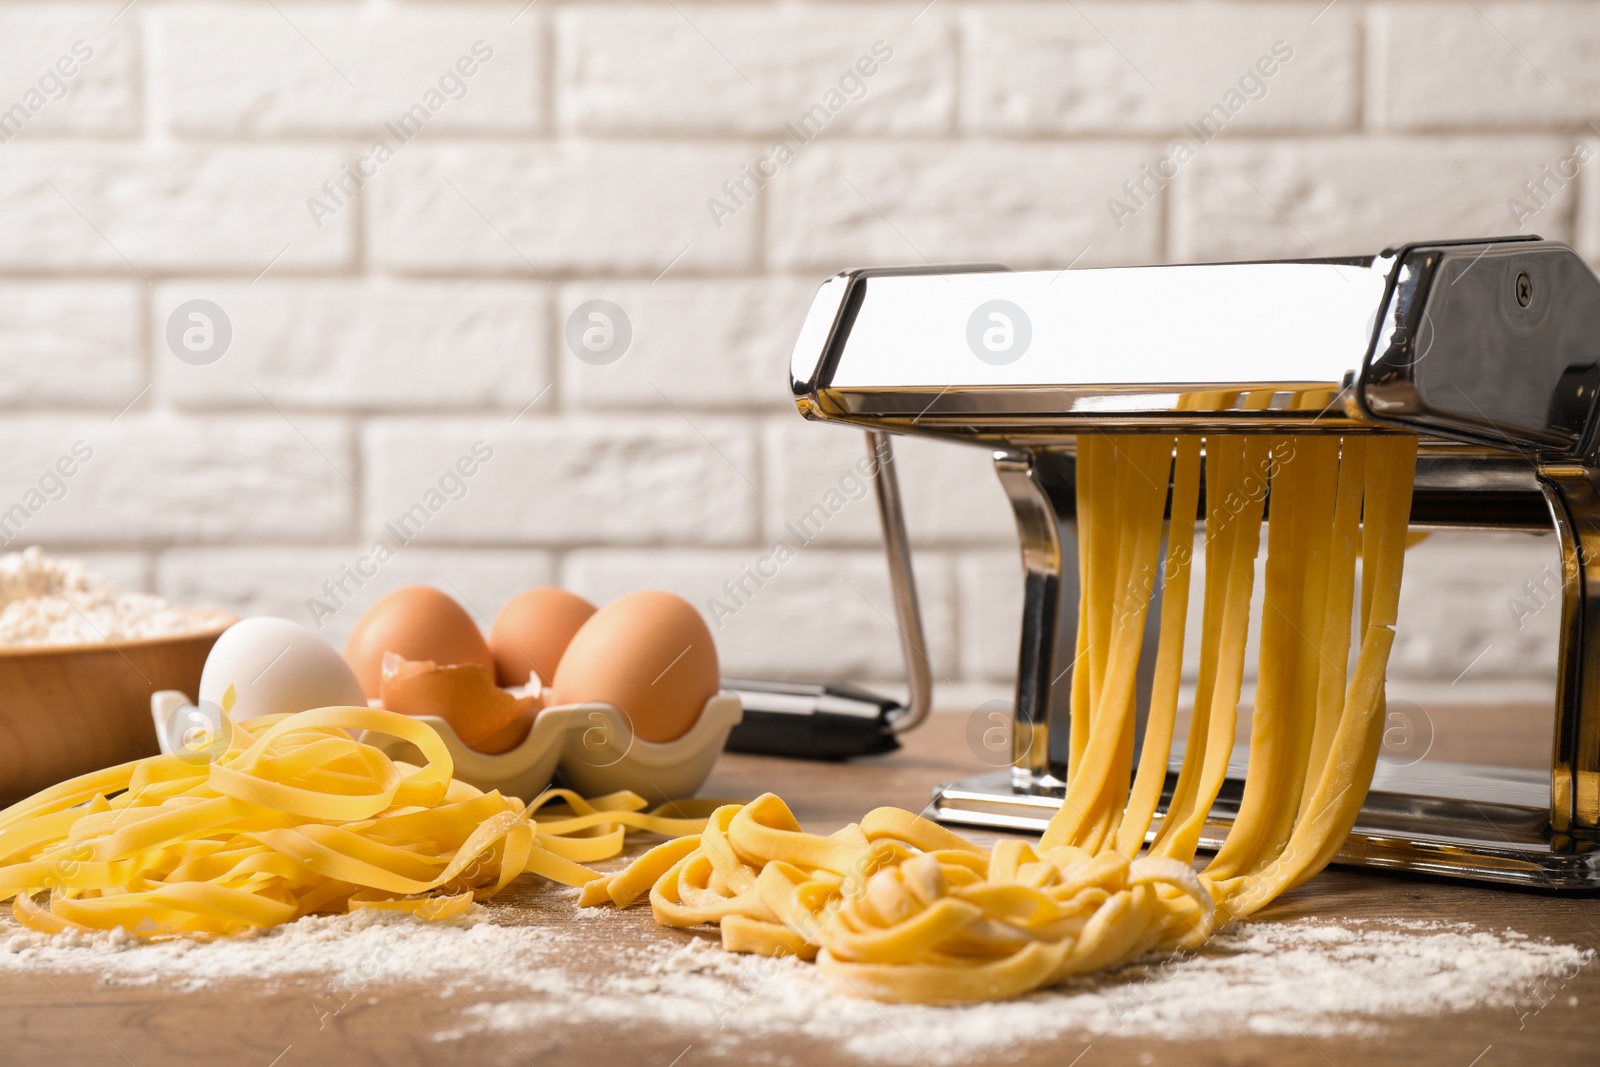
pixel 362 344
pixel 1026 205
pixel 951 493
pixel 557 481
pixel 576 207
pixel 70 343
pixel 825 616
pixel 1118 68
pixel 348 69
pixel 1315 198
pixel 751 70
pixel 990 591
pixel 283 582
pixel 1508 66
pixel 699 344
pixel 163 479
pixel 40 43
pixel 139 210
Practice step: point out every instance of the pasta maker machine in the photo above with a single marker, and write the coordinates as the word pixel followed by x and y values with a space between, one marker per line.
pixel 1488 349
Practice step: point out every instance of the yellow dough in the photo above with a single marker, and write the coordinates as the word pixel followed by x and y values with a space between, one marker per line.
pixel 296 817
pixel 898 908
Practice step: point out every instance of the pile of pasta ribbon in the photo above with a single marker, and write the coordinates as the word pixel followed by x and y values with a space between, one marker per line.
pixel 296 816
pixel 897 908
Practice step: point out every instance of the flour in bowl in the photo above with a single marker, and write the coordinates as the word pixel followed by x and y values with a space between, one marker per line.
pixel 50 600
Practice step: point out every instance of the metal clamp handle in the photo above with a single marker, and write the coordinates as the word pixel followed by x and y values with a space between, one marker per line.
pixel 902 583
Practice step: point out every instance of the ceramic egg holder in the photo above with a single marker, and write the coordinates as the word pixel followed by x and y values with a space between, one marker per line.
pixel 592 745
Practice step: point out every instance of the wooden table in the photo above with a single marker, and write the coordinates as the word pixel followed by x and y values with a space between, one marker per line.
pixel 62 1019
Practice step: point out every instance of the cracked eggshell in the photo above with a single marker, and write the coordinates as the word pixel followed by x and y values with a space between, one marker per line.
pixel 415 622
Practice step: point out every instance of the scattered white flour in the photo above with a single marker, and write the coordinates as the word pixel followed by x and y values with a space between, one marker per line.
pixel 372 945
pixel 1309 977
pixel 47 600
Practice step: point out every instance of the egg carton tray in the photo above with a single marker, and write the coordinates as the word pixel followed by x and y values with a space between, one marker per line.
pixel 593 746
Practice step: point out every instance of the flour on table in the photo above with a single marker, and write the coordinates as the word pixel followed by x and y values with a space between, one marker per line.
pixel 371 946
pixel 1306 978
pixel 1309 977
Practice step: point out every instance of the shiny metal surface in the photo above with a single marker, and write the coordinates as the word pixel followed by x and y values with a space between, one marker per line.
pixel 1575 758
pixel 1049 617
pixel 1121 327
pixel 1463 823
pixel 1459 353
pixel 1427 338
pixel 814 332
pixel 902 583
pixel 1489 350
pixel 1042 487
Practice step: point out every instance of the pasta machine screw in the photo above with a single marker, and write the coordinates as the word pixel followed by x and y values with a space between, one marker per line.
pixel 1524 289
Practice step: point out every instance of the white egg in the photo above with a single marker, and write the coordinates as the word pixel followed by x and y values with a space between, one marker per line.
pixel 277 667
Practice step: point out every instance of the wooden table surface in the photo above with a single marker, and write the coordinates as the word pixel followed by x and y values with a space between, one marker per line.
pixel 67 1018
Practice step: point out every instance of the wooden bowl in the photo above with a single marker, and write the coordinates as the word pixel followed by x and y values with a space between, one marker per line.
pixel 67 710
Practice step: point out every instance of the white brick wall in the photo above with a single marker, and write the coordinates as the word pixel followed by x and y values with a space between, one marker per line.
pixel 1239 194
pixel 1027 205
pixel 558 207
pixel 370 344
pixel 1503 66
pixel 553 480
pixel 144 209
pixel 162 478
pixel 71 342
pixel 1098 68
pixel 101 92
pixel 382 329
pixel 384 60
pixel 695 343
pixel 644 69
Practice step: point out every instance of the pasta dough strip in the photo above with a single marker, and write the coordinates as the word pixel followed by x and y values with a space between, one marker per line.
pixel 1096 796
pixel 1096 567
pixel 298 816
pixel 898 908
pixel 1180 831
pixel 1152 772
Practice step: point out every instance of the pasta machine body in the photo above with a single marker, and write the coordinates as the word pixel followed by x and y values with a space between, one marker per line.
pixel 1488 349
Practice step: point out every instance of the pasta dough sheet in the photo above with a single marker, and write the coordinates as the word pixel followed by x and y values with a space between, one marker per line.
pixel 898 908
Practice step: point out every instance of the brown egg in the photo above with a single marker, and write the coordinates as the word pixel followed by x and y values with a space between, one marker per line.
pixel 415 622
pixel 532 631
pixel 648 653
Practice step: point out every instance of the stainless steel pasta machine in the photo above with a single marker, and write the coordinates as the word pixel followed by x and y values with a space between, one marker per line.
pixel 1488 349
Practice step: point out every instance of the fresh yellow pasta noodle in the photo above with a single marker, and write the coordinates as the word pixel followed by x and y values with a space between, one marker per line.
pixel 898 908
pixel 296 817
